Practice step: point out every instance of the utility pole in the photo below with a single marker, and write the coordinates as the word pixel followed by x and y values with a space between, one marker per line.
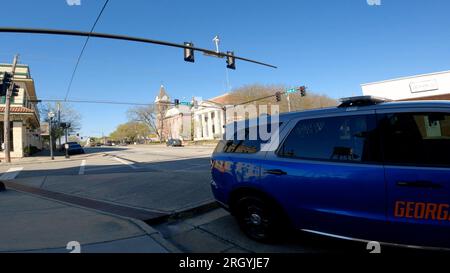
pixel 50 116
pixel 6 123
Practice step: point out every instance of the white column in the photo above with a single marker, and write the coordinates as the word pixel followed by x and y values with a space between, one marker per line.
pixel 210 125
pixel 204 126
pixel 198 127
pixel 217 125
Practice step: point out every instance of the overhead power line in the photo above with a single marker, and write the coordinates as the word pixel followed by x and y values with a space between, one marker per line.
pixel 82 50
pixel 94 102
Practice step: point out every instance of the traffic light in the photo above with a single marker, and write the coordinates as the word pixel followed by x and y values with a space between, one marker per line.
pixel 302 91
pixel 15 90
pixel 278 96
pixel 6 82
pixel 189 52
pixel 176 102
pixel 231 61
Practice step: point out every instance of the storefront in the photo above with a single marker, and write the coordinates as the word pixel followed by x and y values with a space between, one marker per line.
pixel 433 86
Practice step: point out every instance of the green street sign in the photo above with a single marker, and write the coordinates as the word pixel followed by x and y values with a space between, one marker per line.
pixel 292 90
pixel 185 103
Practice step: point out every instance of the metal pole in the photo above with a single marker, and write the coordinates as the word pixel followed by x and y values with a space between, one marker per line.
pixel 289 102
pixel 126 38
pixel 58 105
pixel 67 146
pixel 6 122
pixel 51 138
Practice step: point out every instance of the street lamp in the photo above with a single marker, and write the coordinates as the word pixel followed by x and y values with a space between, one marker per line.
pixel 51 115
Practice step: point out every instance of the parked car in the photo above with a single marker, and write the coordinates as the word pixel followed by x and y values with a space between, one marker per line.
pixel 75 148
pixel 63 147
pixel 367 170
pixel 173 142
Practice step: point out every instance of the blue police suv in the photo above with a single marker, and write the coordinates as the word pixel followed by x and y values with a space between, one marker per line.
pixel 367 170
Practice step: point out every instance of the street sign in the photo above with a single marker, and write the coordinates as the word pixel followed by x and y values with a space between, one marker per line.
pixel 292 90
pixel 186 103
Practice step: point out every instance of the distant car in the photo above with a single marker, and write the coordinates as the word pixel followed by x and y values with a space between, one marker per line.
pixel 174 143
pixel 75 148
pixel 98 144
pixel 63 147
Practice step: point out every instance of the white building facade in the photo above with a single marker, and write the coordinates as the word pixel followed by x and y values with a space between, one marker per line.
pixel 209 121
pixel 178 123
pixel 426 86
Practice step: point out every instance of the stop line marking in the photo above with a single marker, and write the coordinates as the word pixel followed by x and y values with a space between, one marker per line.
pixel 11 173
pixel 82 167
pixel 125 162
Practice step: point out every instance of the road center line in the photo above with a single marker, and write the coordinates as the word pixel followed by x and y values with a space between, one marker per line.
pixel 11 173
pixel 125 162
pixel 82 166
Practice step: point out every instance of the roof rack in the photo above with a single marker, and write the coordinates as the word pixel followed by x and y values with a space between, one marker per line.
pixel 361 101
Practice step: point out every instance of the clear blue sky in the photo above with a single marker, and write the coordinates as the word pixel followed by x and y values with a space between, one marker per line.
pixel 332 46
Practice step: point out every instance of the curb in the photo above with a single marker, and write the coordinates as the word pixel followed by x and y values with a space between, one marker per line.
pixel 184 213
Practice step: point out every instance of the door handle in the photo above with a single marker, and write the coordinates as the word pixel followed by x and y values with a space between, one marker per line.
pixel 419 184
pixel 276 172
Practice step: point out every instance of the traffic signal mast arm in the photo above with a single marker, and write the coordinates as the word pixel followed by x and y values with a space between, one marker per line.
pixel 302 90
pixel 229 55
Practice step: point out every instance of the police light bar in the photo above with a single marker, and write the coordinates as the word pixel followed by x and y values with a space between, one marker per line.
pixel 361 101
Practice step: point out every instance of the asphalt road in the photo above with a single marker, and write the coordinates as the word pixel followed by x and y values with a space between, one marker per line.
pixel 154 179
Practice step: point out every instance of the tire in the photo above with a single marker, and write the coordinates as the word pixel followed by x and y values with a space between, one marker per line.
pixel 259 219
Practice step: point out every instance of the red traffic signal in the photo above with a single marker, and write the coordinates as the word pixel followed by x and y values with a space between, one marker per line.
pixel 302 90
pixel 278 96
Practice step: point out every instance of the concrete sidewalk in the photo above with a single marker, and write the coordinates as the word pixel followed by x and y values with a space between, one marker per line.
pixel 31 223
pixel 44 157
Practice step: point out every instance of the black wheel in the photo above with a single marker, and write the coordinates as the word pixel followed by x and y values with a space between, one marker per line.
pixel 259 219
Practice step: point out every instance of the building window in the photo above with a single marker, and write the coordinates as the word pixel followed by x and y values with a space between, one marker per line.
pixel 3 99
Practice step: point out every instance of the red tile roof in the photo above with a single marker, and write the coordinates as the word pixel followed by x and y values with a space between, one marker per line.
pixel 17 109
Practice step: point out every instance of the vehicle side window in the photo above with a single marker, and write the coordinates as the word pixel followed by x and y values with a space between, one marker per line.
pixel 245 146
pixel 345 138
pixel 242 146
pixel 416 138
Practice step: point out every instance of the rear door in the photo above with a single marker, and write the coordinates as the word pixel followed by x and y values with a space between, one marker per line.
pixel 328 175
pixel 416 145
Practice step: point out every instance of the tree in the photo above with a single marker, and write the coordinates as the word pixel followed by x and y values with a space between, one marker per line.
pixel 250 92
pixel 68 114
pixel 146 115
pixel 130 132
